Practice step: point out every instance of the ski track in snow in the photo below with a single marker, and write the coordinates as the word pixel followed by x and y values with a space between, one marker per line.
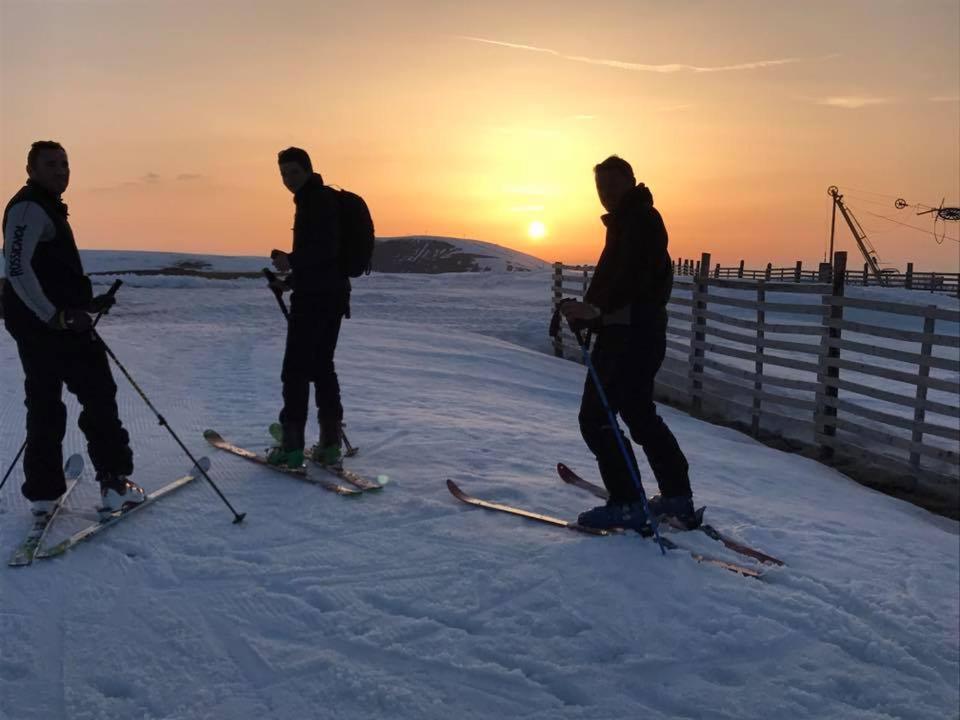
pixel 408 604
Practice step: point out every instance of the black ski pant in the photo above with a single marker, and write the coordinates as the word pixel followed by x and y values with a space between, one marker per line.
pixel 312 333
pixel 627 359
pixel 52 359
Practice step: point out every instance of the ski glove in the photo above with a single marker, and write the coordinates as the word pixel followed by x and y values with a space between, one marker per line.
pixel 594 324
pixel 101 303
pixel 581 316
pixel 71 319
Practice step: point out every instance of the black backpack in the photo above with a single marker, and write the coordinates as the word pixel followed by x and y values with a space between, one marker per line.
pixel 356 233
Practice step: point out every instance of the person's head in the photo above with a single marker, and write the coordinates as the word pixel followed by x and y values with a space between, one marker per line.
pixel 295 167
pixel 48 167
pixel 615 179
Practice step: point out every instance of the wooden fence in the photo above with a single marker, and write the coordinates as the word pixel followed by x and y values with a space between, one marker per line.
pixel 804 360
pixel 910 280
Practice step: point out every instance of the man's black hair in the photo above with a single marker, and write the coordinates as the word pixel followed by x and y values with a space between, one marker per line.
pixel 616 164
pixel 38 147
pixel 297 155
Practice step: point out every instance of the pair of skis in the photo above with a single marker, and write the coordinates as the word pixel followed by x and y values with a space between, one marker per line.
pixel 573 479
pixel 347 483
pixel 32 546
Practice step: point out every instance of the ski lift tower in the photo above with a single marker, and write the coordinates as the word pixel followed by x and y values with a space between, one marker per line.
pixel 867 249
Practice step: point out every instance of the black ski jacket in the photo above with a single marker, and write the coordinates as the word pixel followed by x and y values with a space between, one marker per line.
pixel 315 260
pixel 635 269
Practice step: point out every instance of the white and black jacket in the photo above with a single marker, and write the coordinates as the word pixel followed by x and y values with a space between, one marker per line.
pixel 41 261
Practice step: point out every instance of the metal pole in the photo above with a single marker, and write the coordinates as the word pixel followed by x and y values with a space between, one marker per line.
pixel 833 225
pixel 237 517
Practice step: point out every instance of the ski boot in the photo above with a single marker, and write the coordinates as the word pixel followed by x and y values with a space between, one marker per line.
pixel 329 456
pixel 327 451
pixel 117 492
pixel 284 454
pixel 677 511
pixel 279 457
pixel 614 514
pixel 39 508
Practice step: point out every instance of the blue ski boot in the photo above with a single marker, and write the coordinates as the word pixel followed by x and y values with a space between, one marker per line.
pixel 677 511
pixel 615 514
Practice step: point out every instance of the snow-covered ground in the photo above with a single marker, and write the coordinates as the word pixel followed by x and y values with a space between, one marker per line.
pixel 407 604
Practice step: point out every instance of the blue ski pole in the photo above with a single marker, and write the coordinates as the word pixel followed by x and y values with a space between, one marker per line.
pixel 619 435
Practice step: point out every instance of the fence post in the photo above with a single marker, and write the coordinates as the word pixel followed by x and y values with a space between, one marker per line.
pixel 698 336
pixel 679 266
pixel 827 414
pixel 769 271
pixel 920 412
pixel 716 272
pixel 557 297
pixel 696 271
pixel 740 270
pixel 908 280
pixel 798 272
pixel 866 275
pixel 758 380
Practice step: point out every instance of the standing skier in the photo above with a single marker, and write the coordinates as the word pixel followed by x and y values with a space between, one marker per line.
pixel 321 298
pixel 46 301
pixel 626 307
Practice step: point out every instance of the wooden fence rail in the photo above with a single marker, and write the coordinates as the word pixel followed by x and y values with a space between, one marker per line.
pixel 911 280
pixel 859 376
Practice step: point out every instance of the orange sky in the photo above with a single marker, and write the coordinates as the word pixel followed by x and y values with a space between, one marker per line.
pixel 475 121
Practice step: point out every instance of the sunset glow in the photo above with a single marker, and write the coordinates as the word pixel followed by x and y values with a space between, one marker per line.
pixel 483 120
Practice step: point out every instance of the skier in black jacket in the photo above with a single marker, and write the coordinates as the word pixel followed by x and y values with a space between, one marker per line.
pixel 626 307
pixel 320 300
pixel 46 301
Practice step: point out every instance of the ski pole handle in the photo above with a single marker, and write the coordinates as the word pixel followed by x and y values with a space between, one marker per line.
pixel 111 292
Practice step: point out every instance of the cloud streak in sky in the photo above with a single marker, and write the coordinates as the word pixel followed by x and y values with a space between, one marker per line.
pixel 853 102
pixel 149 179
pixel 638 67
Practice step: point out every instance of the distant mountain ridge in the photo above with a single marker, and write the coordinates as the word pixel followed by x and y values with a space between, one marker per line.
pixel 407 254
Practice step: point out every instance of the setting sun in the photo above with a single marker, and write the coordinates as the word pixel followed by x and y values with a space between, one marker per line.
pixel 537 230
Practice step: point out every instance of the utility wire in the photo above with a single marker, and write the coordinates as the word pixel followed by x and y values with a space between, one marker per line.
pixel 912 227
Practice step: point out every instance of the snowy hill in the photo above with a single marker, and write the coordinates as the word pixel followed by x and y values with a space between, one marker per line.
pixel 425 254
pixel 407 604
pixel 415 254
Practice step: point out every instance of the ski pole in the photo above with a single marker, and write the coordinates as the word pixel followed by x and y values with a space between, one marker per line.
pixel 13 465
pixel 237 517
pixel 584 345
pixel 111 292
pixel 351 450
pixel 271 277
pixel 278 294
